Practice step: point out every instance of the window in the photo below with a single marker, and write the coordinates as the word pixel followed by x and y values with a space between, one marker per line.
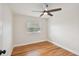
pixel 33 26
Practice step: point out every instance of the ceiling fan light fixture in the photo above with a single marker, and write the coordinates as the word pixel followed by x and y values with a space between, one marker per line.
pixel 45 13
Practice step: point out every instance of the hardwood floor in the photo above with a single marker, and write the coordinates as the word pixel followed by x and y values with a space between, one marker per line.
pixel 40 49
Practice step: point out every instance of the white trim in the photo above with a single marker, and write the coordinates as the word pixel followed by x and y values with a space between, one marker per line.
pixel 29 43
pixel 11 51
pixel 64 47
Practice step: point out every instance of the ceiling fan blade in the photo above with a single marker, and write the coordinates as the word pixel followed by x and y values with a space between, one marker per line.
pixel 42 14
pixel 53 10
pixel 50 14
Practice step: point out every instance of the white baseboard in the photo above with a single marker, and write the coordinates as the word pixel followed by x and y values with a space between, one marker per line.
pixel 29 43
pixel 11 51
pixel 64 47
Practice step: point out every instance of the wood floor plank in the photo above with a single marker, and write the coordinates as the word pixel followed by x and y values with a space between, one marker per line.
pixel 40 49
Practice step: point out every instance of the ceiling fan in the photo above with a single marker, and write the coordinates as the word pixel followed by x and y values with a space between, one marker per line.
pixel 48 12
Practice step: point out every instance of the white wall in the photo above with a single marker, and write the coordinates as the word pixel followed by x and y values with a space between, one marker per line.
pixel 64 27
pixel 7 29
pixel 21 36
pixel 0 26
